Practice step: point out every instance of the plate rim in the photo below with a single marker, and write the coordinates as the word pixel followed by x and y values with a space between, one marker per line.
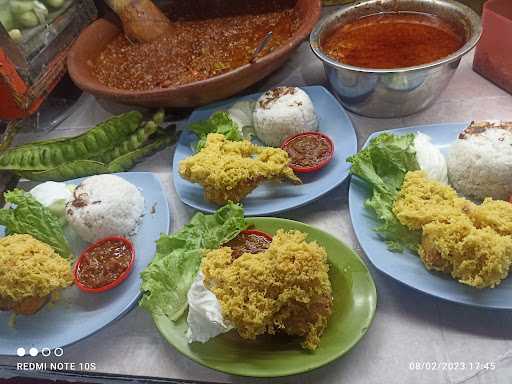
pixel 364 327
pixel 351 196
pixel 128 308
pixel 218 104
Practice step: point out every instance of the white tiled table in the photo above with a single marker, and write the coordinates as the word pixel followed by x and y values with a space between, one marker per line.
pixel 408 326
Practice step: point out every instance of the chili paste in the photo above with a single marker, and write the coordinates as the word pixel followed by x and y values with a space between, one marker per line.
pixel 308 150
pixel 248 243
pixel 104 264
pixel 202 42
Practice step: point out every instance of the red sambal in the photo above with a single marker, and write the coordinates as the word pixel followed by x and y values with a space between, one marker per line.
pixel 249 241
pixel 104 263
pixel 196 48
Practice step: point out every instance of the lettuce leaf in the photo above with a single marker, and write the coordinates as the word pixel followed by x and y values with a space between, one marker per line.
pixel 219 122
pixel 32 218
pixel 166 281
pixel 383 164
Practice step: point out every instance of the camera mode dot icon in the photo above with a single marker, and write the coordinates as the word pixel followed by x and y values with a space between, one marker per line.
pixel 33 352
pixel 20 352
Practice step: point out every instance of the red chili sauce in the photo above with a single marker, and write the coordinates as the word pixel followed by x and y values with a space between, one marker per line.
pixel 393 40
pixel 206 39
pixel 248 243
pixel 308 150
pixel 104 264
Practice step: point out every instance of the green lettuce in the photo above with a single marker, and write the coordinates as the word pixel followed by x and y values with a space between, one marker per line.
pixel 383 164
pixel 166 281
pixel 219 122
pixel 32 218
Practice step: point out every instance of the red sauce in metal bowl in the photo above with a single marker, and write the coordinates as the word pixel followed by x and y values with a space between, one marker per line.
pixel 393 40
pixel 249 241
pixel 104 263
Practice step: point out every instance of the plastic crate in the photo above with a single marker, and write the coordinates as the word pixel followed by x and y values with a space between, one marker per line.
pixel 30 68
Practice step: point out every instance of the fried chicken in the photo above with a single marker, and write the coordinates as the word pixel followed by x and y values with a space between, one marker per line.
pixel 230 170
pixel 285 288
pixel 471 242
pixel 31 274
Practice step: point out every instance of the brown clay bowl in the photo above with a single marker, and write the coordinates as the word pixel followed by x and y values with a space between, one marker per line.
pixel 96 36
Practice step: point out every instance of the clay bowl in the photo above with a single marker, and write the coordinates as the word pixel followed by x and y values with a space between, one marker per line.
pixel 97 35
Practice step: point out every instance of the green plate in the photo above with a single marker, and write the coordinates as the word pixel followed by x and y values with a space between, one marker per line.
pixel 355 299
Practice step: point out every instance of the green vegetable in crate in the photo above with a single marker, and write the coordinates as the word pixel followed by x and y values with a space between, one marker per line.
pixel 28 14
pixel 19 7
pixel 16 35
pixel 54 3
pixel 28 19
pixel 41 11
pixel 6 17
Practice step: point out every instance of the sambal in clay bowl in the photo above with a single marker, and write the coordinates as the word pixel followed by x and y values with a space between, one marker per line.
pixel 206 55
pixel 393 58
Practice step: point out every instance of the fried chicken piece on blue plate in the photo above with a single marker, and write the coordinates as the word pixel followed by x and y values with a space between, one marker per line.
pixel 230 170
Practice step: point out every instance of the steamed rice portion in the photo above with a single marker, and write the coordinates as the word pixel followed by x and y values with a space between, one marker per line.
pixel 480 161
pixel 282 112
pixel 105 205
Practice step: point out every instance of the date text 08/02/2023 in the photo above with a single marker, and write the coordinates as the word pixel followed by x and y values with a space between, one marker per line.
pixel 451 365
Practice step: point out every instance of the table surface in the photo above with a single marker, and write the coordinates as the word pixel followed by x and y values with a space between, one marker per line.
pixel 408 326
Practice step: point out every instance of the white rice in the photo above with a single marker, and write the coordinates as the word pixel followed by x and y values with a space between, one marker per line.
pixel 105 205
pixel 480 163
pixel 282 112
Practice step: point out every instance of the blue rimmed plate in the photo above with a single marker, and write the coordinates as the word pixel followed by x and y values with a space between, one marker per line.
pixel 78 315
pixel 407 267
pixel 269 198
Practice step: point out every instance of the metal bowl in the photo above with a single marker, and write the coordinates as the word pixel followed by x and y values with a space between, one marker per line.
pixel 400 91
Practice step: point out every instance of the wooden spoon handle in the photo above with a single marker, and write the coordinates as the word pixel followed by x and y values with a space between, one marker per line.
pixel 142 20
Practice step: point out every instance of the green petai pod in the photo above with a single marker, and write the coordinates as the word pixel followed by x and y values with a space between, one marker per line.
pixel 83 168
pixel 44 155
pixel 135 140
pixel 128 160
pixel 67 171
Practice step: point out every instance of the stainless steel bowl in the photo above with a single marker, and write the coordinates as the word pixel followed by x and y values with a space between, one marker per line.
pixel 400 91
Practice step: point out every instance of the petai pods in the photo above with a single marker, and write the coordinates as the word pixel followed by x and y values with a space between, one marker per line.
pixel 49 154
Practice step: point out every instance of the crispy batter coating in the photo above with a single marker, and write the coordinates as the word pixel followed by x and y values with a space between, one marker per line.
pixel 496 214
pixel 30 272
pixel 286 288
pixel 423 201
pixel 230 170
pixel 471 242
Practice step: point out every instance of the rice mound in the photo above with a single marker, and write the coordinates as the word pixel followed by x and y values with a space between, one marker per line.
pixel 480 163
pixel 282 112
pixel 30 268
pixel 105 205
